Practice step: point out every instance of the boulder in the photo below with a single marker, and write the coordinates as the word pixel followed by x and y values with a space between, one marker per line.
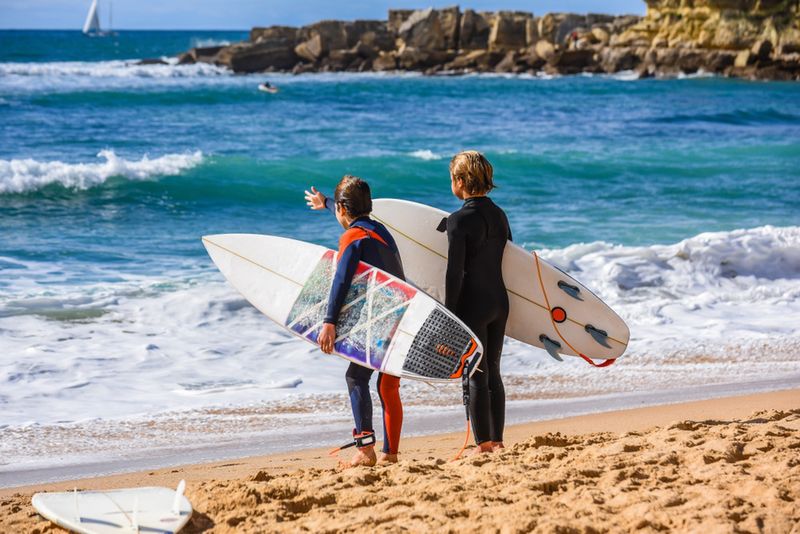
pixel 509 63
pixel 531 31
pixel 556 27
pixel 601 35
pixel 365 51
pixel 532 60
pixel 273 32
pixel 573 61
pixel 385 61
pixel 509 31
pixel 411 58
pixel 396 19
pixel 761 50
pixel 450 23
pixel 482 60
pixel 474 31
pixel 422 31
pixel 356 29
pixel 310 50
pixel 743 59
pixel 185 59
pixel 545 50
pixel 302 68
pixel 151 61
pixel 273 54
pixel 206 54
pixel 619 59
pixel 380 40
pixel 332 34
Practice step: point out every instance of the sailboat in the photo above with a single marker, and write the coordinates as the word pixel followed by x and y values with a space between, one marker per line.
pixel 92 24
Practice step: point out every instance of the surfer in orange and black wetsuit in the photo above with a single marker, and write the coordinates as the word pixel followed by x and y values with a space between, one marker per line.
pixel 369 241
pixel 474 289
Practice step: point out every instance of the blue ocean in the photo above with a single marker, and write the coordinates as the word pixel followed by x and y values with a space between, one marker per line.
pixel 677 201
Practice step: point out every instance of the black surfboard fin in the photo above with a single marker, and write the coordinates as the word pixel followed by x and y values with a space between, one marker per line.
pixel 601 336
pixel 551 347
pixel 442 225
pixel 569 289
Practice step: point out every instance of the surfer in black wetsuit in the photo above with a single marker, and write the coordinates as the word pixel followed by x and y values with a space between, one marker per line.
pixel 475 292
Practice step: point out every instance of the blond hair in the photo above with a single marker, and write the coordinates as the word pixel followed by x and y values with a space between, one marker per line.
pixel 473 170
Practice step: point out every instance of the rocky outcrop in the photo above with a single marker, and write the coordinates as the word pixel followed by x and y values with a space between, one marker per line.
pixel 744 38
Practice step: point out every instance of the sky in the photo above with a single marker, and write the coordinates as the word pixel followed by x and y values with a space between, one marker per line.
pixel 243 14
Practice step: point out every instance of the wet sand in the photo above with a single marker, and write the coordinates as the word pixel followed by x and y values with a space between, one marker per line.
pixel 722 465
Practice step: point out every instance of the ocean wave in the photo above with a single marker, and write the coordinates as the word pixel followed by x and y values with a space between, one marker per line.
pixel 26 175
pixel 111 69
pixel 205 43
pixel 427 155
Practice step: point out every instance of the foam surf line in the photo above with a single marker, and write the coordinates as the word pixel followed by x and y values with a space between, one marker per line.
pixel 25 175
pixel 110 69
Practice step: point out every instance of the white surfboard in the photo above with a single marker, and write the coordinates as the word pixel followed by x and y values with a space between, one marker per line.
pixel 548 308
pixel 386 324
pixel 116 511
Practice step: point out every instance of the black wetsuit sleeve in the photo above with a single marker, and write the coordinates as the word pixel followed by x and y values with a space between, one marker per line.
pixel 342 280
pixel 456 258
pixel 329 205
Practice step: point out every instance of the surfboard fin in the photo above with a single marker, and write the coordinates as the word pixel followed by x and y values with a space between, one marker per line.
pixel 442 225
pixel 601 336
pixel 569 289
pixel 551 347
pixel 176 503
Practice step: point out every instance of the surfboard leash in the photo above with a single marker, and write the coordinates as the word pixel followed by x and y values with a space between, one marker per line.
pixel 465 399
pixel 588 360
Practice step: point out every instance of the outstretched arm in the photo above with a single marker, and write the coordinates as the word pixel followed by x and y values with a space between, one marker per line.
pixel 317 201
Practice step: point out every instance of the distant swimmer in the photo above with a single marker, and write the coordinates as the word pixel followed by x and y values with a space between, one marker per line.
pixel 268 88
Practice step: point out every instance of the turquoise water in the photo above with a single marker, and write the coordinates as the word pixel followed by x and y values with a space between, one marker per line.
pixel 110 172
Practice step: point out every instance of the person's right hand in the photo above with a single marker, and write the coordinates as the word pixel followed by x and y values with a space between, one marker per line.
pixel 314 199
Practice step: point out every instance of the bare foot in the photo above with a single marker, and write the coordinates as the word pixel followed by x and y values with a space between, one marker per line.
pixel 362 456
pixel 387 458
pixel 481 448
pixel 497 445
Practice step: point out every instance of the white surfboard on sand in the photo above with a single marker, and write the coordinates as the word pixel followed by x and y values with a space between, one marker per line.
pixel 548 308
pixel 116 511
pixel 385 324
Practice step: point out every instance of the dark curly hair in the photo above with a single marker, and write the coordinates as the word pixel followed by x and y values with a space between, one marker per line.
pixel 353 193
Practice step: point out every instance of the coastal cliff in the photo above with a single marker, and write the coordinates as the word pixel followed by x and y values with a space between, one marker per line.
pixel 755 39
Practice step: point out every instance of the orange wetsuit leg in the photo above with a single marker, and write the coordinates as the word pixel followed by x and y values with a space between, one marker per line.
pixel 389 393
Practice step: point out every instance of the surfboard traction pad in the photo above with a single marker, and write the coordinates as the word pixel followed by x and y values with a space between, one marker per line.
pixel 438 329
pixel 386 306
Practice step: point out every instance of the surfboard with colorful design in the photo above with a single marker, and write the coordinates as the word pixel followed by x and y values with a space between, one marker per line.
pixel 385 324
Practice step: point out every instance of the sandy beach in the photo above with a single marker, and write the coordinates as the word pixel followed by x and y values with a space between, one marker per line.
pixel 722 465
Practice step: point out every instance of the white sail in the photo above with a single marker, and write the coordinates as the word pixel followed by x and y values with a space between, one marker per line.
pixel 92 24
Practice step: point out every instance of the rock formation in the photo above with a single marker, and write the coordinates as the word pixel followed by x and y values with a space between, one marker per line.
pixel 757 39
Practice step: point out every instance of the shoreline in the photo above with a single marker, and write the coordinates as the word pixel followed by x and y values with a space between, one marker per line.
pixel 714 462
pixel 437 425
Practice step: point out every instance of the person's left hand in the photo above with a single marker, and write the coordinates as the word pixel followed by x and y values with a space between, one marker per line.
pixel 314 199
pixel 326 337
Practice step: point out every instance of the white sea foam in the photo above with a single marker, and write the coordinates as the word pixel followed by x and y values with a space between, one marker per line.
pixel 205 43
pixel 110 69
pixel 425 154
pixel 715 308
pixel 24 175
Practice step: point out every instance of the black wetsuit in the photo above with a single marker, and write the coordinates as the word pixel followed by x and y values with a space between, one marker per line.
pixel 475 292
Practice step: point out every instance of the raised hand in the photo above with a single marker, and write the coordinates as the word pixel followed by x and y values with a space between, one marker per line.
pixel 314 199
